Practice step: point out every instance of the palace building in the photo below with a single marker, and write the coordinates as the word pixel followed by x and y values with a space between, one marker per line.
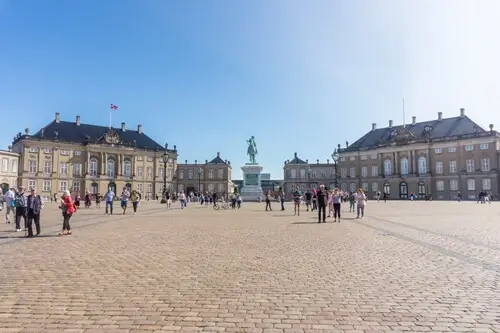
pixel 299 172
pixel 8 171
pixel 80 157
pixel 211 176
pixel 438 158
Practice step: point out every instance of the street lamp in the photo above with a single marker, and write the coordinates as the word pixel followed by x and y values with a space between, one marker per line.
pixel 199 180
pixel 165 160
pixel 309 172
pixel 335 157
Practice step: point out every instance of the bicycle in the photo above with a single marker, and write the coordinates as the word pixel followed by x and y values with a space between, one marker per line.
pixel 219 204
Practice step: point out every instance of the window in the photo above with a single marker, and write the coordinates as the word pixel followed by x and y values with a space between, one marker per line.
pixel 374 157
pixel 293 173
pixel 302 173
pixel 404 166
pixel 439 167
pixel 453 166
pixel 364 157
pixel 438 150
pixel 201 188
pixel 374 171
pixel 150 188
pixel 387 167
pixel 77 169
pixel 440 185
pixel 47 150
pixel 364 171
pixel 5 164
pixel 140 188
pixel 352 158
pixel 47 184
pixel 453 185
pixel 220 174
pixel 190 174
pixel 485 164
pixel 31 184
pixel 32 166
pixel 352 187
pixel 14 166
pixel 342 159
pixel 364 186
pixel 332 173
pixel 452 149
pixel 374 187
pixel 469 148
pixel 47 167
pixel 486 182
pixel 313 173
pixel 95 188
pixel 210 187
pixel 76 186
pixel 469 165
pixel 221 188
pixel 33 150
pixel 343 186
pixel 139 172
pixel 127 168
pixel 343 172
pixel 484 146
pixel 352 172
pixel 422 165
pixel 111 168
pixel 93 167
pixel 150 173
pixel 471 184
pixel 181 187
pixel 63 169
pixel 77 153
pixel 160 173
pixel 63 185
pixel 150 159
pixel 64 152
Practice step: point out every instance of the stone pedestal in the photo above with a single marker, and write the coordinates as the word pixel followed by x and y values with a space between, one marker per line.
pixel 252 189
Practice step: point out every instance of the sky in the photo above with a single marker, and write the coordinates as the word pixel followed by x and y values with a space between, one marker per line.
pixel 206 75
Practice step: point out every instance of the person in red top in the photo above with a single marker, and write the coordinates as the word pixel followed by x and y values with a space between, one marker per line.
pixel 68 208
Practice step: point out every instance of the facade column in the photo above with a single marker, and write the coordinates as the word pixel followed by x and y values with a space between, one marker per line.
pixel 87 169
pixel 396 162
pixel 119 164
pixel 134 158
pixel 381 164
pixel 414 161
pixel 105 163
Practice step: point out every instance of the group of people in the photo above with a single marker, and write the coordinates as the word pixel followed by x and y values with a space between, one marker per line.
pixel 322 198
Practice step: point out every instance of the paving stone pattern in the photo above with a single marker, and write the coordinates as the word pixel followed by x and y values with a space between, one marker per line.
pixel 405 267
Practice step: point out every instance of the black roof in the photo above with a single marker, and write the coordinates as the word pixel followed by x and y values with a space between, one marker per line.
pixel 296 160
pixel 218 160
pixel 446 129
pixel 71 132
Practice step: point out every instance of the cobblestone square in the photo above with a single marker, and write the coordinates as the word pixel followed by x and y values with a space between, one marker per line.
pixel 405 267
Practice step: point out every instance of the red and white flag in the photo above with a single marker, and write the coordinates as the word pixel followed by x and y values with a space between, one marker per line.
pixel 113 107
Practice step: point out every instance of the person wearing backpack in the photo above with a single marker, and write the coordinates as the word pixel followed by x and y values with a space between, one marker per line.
pixel 20 204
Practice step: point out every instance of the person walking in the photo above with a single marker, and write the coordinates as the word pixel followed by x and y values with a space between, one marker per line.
pixel 352 202
pixel 182 198
pixel 10 208
pixel 238 200
pixel 135 198
pixel 110 196
pixel 361 203
pixel 321 203
pixel 68 209
pixel 34 206
pixel 268 201
pixel 308 195
pixel 297 197
pixel 124 199
pixel 337 201
pixel 282 199
pixel 20 203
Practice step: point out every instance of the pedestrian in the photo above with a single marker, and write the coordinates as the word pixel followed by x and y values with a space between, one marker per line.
pixel 78 198
pixel 308 195
pixel 68 208
pixel 98 201
pixel 34 206
pixel 10 208
pixel 110 196
pixel 268 201
pixel 321 203
pixel 337 201
pixel 361 203
pixel 20 203
pixel 330 203
pixel 314 200
pixel 182 198
pixel 352 202
pixel 135 198
pixel 297 197
pixel 238 200
pixel 124 199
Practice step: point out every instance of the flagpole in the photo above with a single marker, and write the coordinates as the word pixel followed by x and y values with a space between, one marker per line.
pixel 110 114
pixel 404 121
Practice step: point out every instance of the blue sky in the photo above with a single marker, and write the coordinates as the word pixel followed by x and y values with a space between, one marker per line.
pixel 206 75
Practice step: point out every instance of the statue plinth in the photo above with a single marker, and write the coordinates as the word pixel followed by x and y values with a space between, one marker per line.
pixel 252 188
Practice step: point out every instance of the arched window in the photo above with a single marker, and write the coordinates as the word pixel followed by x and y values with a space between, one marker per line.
pixel 127 168
pixel 111 168
pixel 93 167
pixel 422 165
pixel 404 166
pixel 403 190
pixel 387 188
pixel 387 167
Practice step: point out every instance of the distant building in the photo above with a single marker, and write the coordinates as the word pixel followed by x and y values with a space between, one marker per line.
pixel 298 172
pixel 9 169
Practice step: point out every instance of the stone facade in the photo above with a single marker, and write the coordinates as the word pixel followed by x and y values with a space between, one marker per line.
pixel 308 175
pixel 211 176
pixel 54 161
pixel 8 169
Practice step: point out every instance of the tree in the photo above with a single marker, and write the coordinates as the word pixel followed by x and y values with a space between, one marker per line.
pixel 235 191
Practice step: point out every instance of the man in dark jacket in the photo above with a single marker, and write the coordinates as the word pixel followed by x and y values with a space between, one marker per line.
pixel 34 206
pixel 20 203
pixel 322 199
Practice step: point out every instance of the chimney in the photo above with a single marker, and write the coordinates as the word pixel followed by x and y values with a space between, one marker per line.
pixel 195 161
pixel 124 128
pixel 27 131
pixel 327 161
pixel 206 161
pixel 225 161
pixel 186 161
pixel 295 155
pixel 374 126
pixel 218 154
pixel 390 123
pixel 307 161
pixel 491 127
pixel 58 119
pixel 440 116
pixel 462 112
pixel 413 120
pixel 139 129
pixel 77 120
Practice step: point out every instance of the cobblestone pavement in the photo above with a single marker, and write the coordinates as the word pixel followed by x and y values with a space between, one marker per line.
pixel 405 267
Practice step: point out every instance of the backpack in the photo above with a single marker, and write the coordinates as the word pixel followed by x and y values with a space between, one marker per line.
pixel 20 201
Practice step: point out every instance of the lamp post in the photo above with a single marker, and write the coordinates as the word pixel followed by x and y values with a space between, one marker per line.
pixel 335 158
pixel 199 180
pixel 309 172
pixel 165 160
